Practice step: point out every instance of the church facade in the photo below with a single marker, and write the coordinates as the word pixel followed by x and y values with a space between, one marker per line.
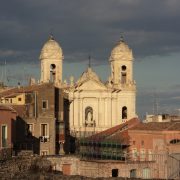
pixel 94 105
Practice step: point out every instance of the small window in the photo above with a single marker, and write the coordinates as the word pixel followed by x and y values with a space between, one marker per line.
pixel 53 66
pixel 134 154
pixel 29 129
pixel 146 173
pixel 44 104
pixel 44 152
pixel 175 141
pixel 142 143
pixel 115 173
pixel 142 154
pixel 123 77
pixel 133 173
pixel 19 99
pixel 124 112
pixel 44 130
pixel 150 155
pixel 123 68
pixel 4 135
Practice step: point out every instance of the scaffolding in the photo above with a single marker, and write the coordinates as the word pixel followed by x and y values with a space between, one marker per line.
pixel 102 149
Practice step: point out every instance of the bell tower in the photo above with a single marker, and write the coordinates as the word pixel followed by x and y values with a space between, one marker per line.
pixel 121 80
pixel 51 58
pixel 121 61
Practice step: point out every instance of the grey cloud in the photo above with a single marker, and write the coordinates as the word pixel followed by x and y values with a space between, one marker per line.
pixel 90 26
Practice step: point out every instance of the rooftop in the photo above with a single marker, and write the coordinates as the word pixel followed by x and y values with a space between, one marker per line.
pixel 24 89
pixel 158 126
pixel 118 134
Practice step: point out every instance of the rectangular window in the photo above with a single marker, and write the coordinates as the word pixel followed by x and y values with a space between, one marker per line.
pixel 123 78
pixel 45 104
pixel 134 154
pixel 4 135
pixel 150 155
pixel 44 152
pixel 30 129
pixel 19 99
pixel 142 155
pixel 44 130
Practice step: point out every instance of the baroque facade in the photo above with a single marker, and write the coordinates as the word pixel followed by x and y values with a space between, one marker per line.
pixel 94 105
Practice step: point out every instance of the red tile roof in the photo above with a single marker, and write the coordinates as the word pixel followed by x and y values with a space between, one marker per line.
pixel 117 133
pixel 158 126
pixel 6 107
pixel 25 89
pixel 19 109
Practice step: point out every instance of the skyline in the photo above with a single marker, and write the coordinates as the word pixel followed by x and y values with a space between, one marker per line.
pixel 91 27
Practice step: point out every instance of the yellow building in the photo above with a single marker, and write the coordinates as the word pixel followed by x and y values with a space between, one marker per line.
pixel 15 99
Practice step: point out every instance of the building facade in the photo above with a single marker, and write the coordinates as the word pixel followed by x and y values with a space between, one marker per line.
pixel 40 125
pixel 8 118
pixel 96 106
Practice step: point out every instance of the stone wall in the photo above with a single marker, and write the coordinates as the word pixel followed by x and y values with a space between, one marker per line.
pixel 71 165
pixel 17 165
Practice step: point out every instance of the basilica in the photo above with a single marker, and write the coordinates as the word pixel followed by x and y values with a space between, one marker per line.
pixel 93 105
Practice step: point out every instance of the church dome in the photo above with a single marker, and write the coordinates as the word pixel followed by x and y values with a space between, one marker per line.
pixel 121 50
pixel 51 50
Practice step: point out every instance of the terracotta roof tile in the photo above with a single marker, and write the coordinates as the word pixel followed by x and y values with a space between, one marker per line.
pixel 6 107
pixel 117 133
pixel 25 89
pixel 158 126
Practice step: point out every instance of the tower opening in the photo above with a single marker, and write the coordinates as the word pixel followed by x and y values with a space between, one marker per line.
pixel 124 112
pixel 123 74
pixel 123 77
pixel 52 72
pixel 123 68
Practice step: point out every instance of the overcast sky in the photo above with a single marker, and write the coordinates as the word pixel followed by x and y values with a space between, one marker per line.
pixel 83 27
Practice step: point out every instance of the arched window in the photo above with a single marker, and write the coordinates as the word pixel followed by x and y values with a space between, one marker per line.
pixel 52 72
pixel 123 68
pixel 124 112
pixel 133 173
pixel 175 141
pixel 89 116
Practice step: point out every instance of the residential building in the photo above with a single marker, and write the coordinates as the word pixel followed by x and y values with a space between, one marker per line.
pixel 40 118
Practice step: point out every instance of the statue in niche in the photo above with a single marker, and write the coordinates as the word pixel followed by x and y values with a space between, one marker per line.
pixel 89 116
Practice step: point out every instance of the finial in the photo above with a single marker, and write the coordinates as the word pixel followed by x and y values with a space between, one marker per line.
pixel 121 36
pixel 51 36
pixel 89 65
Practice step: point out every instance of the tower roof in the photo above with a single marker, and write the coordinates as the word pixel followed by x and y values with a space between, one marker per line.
pixel 51 50
pixel 120 49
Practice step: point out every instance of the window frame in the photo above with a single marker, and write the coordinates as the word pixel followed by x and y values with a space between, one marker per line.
pixel 44 101
pixel 6 136
pixel 47 133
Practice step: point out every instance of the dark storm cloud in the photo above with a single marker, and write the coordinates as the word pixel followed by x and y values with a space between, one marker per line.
pixel 84 27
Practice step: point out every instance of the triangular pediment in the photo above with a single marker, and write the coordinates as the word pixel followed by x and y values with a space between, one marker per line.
pixel 91 84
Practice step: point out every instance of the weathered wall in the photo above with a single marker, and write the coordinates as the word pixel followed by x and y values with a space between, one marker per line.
pixel 70 165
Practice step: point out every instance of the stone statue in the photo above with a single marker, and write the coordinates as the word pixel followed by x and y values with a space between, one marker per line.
pixel 89 117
